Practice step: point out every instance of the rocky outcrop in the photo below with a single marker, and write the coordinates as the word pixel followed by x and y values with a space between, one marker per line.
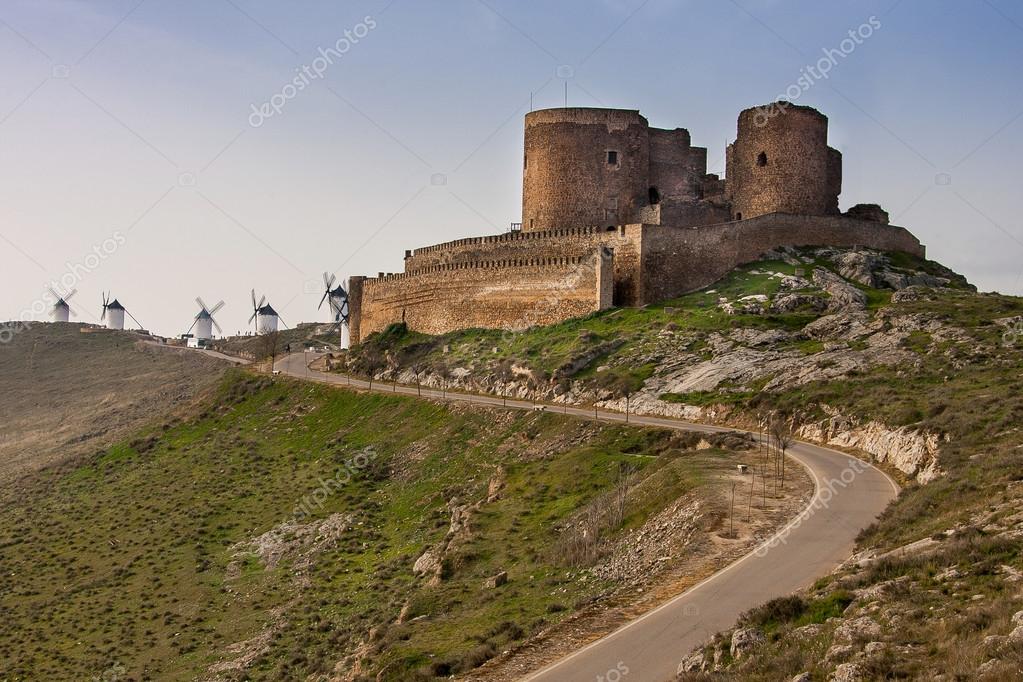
pixel 911 451
pixel 848 672
pixel 844 296
pixel 745 640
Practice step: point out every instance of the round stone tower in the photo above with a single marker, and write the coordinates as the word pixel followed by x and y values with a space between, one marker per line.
pixel 780 162
pixel 584 167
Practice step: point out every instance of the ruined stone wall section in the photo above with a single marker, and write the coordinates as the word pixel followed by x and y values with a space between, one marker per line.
pixel 677 261
pixel 676 167
pixel 492 294
pixel 780 162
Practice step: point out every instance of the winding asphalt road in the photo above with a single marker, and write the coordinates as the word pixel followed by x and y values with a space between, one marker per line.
pixel 849 495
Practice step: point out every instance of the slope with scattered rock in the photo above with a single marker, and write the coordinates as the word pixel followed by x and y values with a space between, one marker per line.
pixel 888 356
pixel 287 530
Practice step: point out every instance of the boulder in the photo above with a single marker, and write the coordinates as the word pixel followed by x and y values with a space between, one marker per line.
pixel 693 663
pixel 792 283
pixel 848 672
pixel 860 628
pixel 427 564
pixel 875 648
pixel 496 581
pixel 802 677
pixel 745 640
pixel 839 652
pixel 1017 618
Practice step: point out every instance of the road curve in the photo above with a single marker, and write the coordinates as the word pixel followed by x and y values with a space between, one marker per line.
pixel 849 496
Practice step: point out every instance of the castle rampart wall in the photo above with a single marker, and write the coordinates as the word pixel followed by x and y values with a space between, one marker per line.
pixel 493 294
pixel 567 243
pixel 516 281
pixel 677 261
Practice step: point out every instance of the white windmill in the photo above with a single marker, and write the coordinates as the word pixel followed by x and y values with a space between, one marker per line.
pixel 62 312
pixel 114 312
pixel 265 317
pixel 337 299
pixel 204 321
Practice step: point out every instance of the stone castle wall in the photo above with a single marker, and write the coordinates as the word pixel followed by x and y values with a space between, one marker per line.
pixel 676 261
pixel 516 280
pixel 492 294
pixel 557 244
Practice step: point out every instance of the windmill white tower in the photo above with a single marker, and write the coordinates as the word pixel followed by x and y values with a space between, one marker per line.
pixel 114 312
pixel 61 310
pixel 265 317
pixel 204 321
pixel 337 299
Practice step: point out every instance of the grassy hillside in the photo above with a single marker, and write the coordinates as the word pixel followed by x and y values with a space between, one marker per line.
pixel 280 534
pixel 880 353
pixel 66 392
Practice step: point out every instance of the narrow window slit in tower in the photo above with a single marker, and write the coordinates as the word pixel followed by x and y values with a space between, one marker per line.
pixel 762 159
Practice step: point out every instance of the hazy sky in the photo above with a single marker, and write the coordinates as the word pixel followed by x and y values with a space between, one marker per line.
pixel 131 158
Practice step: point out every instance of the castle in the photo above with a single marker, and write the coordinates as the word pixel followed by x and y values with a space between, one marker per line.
pixel 617 213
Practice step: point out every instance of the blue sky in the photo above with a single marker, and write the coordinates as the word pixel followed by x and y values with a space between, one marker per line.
pixel 126 129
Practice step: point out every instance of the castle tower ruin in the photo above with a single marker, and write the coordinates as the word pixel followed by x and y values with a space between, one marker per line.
pixel 590 167
pixel 780 162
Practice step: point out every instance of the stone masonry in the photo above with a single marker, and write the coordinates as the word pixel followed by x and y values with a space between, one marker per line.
pixel 616 213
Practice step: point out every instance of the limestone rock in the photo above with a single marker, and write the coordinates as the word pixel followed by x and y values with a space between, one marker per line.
pixel 427 564
pixel 787 303
pixel 910 450
pixel 496 581
pixel 844 296
pixel 993 642
pixel 839 652
pixel 793 283
pixel 875 648
pixel 1017 618
pixel 693 663
pixel 846 327
pixel 860 266
pixel 860 628
pixel 807 631
pixel 987 667
pixel 745 640
pixel 848 672
pixel 802 677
